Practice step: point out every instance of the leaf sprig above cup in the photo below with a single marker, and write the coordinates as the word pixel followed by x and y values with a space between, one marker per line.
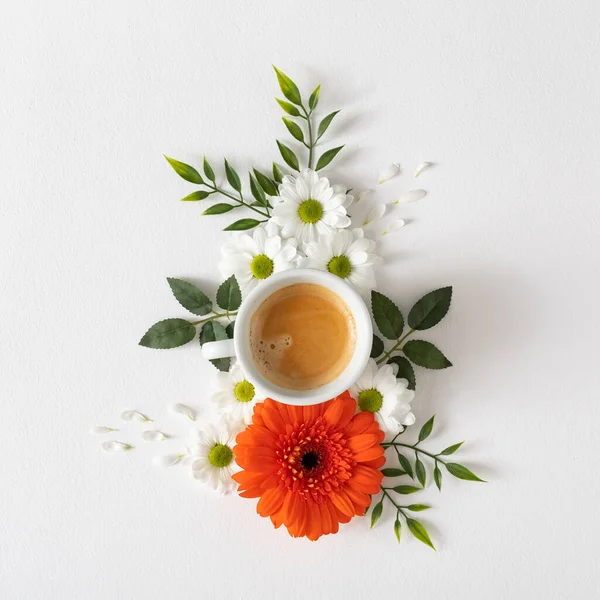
pixel 425 314
pixel 416 470
pixel 262 186
pixel 172 333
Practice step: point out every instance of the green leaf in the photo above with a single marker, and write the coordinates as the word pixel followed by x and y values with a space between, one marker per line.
pixel 232 177
pixel 288 108
pixel 277 174
pixel 212 331
pixel 195 196
pixel 376 347
pixel 387 316
pixel 266 183
pixel 294 129
pixel 169 333
pixel 417 507
pixel 314 98
pixel 185 171
pixel 218 209
pixel 451 449
pixel 325 123
pixel 425 354
pixel 257 191
pixel 419 531
pixel 420 471
pixel 208 171
pixel 242 225
pixel 288 87
pixel 327 157
pixel 190 297
pixel 288 156
pixel 462 472
pixel 397 528
pixel 229 330
pixel 437 477
pixel 393 472
pixel 405 464
pixel 406 489
pixel 426 429
pixel 405 370
pixel 229 296
pixel 376 513
pixel 430 309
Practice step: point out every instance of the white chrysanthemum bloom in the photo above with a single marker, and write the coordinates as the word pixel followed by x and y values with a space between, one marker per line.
pixel 308 206
pixel 347 254
pixel 235 395
pixel 253 258
pixel 378 391
pixel 212 453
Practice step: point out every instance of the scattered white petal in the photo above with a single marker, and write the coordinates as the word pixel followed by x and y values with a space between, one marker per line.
pixel 389 172
pixel 134 415
pixel 184 410
pixel 99 430
pixel 153 436
pixel 362 195
pixel 168 460
pixel 375 213
pixel 113 446
pixel 411 196
pixel 394 226
pixel 421 168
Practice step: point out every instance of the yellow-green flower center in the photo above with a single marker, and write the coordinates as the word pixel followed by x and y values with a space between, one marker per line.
pixel 261 266
pixel 310 211
pixel 244 391
pixel 340 266
pixel 370 400
pixel 220 456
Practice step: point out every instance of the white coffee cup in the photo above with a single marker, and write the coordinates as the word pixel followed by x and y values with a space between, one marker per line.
pixel 239 346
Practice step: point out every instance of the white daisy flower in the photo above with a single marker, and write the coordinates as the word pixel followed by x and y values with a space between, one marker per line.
pixel 212 453
pixel 378 391
pixel 235 395
pixel 308 206
pixel 252 258
pixel 347 254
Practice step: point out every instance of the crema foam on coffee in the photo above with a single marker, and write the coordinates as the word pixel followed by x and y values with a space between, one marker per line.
pixel 302 336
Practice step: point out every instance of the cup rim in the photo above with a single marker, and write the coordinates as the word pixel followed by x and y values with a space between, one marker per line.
pixel 362 350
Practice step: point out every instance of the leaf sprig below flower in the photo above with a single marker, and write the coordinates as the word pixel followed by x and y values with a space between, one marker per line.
pixel 419 472
pixel 172 333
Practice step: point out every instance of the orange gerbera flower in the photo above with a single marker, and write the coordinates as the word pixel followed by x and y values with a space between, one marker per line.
pixel 312 467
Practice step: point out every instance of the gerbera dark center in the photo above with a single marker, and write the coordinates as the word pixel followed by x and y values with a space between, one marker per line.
pixel 310 460
pixel 310 211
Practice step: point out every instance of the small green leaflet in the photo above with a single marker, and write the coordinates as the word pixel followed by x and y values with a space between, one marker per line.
pixel 405 370
pixel 232 177
pixel 242 225
pixel 425 354
pixel 376 347
pixel 393 472
pixel 419 531
pixel 288 156
pixel 327 157
pixel 288 108
pixel 169 333
pixel 325 123
pixel 229 296
pixel 257 191
pixel 426 430
pixel 437 477
pixel 417 507
pixel 229 329
pixel 208 171
pixel 314 98
pixel 451 449
pixel 462 472
pixel 288 87
pixel 397 528
pixel 218 209
pixel 430 309
pixel 277 174
pixel 420 471
pixel 376 513
pixel 387 316
pixel 294 129
pixel 190 297
pixel 405 464
pixel 195 196
pixel 406 489
pixel 266 183
pixel 185 171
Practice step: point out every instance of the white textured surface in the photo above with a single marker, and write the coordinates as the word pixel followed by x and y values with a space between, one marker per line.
pixel 504 97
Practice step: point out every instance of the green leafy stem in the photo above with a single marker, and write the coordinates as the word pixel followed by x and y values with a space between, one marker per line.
pixel 263 212
pixel 396 347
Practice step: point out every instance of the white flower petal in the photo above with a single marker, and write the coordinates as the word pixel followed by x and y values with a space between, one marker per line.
pixel 389 172
pixel 421 168
pixel 114 446
pixel 153 436
pixel 375 213
pixel 393 226
pixel 411 196
pixel 100 430
pixel 168 460
pixel 362 195
pixel 184 410
pixel 134 415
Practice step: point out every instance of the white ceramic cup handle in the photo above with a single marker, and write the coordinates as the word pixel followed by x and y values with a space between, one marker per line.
pixel 220 349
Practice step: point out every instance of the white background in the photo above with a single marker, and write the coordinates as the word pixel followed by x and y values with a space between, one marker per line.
pixel 504 97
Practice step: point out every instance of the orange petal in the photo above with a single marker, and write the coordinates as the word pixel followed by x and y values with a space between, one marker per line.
pixel 376 464
pixel 340 411
pixel 272 417
pixel 362 442
pixel 253 492
pixel 270 502
pixel 369 454
pixel 310 413
pixel 358 498
pixel 258 465
pixel 341 501
pixel 359 424
pixel 326 524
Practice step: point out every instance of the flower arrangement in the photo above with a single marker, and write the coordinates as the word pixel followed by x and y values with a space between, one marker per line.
pixel 310 467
